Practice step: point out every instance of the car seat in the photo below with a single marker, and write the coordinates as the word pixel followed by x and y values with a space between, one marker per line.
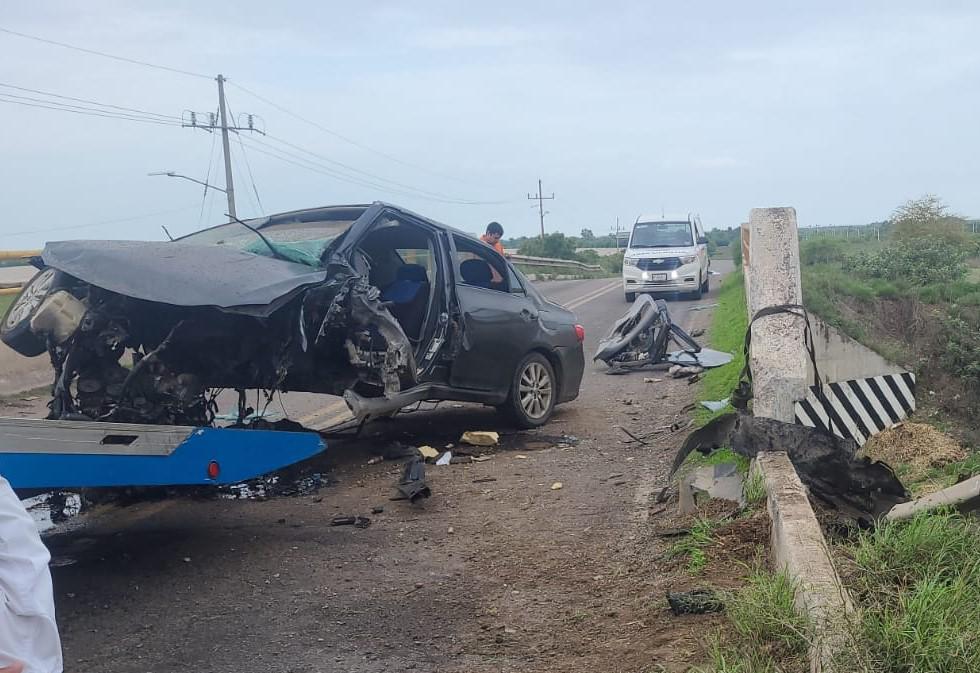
pixel 476 272
pixel 408 295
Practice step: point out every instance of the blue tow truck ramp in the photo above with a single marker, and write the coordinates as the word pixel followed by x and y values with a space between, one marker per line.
pixel 46 454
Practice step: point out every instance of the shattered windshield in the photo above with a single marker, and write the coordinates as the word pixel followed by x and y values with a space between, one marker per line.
pixel 300 242
pixel 661 235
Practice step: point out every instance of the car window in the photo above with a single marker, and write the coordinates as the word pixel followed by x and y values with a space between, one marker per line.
pixel 661 235
pixel 300 242
pixel 479 265
pixel 422 256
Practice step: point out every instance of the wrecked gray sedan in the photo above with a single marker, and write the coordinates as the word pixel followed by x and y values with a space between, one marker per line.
pixel 374 303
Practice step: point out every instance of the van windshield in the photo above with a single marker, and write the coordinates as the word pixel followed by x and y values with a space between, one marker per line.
pixel 661 235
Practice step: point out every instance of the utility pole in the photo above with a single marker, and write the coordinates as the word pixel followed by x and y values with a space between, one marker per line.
pixel 190 119
pixel 229 181
pixel 541 199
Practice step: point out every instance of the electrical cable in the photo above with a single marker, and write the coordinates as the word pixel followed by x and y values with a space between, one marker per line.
pixel 93 102
pixel 101 222
pixel 342 137
pixel 378 177
pixel 258 199
pixel 104 54
pixel 315 167
pixel 60 107
pixel 207 178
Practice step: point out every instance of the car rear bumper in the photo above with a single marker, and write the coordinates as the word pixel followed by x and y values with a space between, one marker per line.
pixel 572 360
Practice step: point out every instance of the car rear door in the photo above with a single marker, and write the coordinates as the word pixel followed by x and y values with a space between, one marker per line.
pixel 498 321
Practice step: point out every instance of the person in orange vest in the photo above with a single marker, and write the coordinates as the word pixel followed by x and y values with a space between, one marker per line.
pixel 495 232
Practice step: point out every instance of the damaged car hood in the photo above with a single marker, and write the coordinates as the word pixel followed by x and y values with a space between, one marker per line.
pixel 182 274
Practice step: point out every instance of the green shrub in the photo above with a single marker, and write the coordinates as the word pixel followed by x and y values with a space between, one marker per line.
pixel 822 251
pixel 921 261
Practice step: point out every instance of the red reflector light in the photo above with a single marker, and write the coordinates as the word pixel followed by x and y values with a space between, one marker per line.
pixel 580 333
pixel 213 469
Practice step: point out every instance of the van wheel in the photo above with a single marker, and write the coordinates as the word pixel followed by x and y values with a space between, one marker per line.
pixel 706 285
pixel 15 329
pixel 533 391
pixel 630 297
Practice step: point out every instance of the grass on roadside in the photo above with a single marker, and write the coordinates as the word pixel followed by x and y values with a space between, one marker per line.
pixel 917 587
pixel 5 301
pixel 767 632
pixel 727 334
pixel 693 545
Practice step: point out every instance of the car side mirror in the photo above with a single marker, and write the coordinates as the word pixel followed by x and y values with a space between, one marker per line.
pixel 702 240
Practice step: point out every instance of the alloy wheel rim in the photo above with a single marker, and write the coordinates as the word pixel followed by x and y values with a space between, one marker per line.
pixel 535 390
pixel 30 299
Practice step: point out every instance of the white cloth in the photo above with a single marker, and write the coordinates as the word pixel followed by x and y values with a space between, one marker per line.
pixel 28 631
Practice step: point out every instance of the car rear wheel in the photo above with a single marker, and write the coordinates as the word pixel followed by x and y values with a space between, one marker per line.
pixel 533 391
pixel 15 330
pixel 706 285
pixel 630 297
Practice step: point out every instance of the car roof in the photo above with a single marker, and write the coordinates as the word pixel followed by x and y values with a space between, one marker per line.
pixel 666 218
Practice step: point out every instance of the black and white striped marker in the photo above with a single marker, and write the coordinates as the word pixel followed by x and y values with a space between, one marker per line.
pixel 859 408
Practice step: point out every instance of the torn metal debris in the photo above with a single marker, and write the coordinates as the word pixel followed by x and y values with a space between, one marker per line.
pixel 858 489
pixel 640 339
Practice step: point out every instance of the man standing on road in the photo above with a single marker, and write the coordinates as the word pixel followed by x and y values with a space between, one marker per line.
pixel 29 641
pixel 495 232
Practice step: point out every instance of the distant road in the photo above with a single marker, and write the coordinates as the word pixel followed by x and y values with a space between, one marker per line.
pixel 16 274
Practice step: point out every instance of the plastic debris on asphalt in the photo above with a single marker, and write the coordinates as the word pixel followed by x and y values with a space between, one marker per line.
pixel 716 405
pixel 445 458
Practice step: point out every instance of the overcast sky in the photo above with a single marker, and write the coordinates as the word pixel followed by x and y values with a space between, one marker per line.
pixel 842 110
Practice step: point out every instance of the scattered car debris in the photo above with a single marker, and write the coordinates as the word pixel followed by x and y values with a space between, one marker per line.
pixel 711 482
pixel 375 460
pixel 679 372
pixel 640 338
pixel 480 438
pixel 702 307
pixel 480 459
pixel 445 458
pixel 428 453
pixel 378 509
pixel 484 480
pixel 356 521
pixel 697 332
pixel 664 494
pixel 557 486
pixel 652 380
pixel 696 602
pixel 858 489
pixel 716 405
pixel 412 486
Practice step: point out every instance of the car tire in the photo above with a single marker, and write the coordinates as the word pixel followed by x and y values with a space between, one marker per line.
pixel 706 285
pixel 15 327
pixel 533 392
pixel 630 297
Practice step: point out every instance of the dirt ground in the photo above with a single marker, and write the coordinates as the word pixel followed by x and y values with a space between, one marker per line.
pixel 497 571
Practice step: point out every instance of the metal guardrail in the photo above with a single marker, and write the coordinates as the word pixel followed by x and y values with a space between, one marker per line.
pixel 24 256
pixel 525 260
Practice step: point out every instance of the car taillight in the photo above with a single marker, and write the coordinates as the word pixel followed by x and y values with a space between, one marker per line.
pixel 213 469
pixel 580 333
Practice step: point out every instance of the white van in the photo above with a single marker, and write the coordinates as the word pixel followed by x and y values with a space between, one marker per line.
pixel 666 255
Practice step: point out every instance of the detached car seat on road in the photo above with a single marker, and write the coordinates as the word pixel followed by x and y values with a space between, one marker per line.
pixel 476 272
pixel 409 294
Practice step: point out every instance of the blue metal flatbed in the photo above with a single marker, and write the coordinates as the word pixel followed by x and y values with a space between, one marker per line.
pixel 46 454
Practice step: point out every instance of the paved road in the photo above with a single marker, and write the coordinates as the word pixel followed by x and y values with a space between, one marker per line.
pixel 496 572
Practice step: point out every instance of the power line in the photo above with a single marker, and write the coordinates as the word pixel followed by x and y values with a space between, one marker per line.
pixel 342 137
pixel 69 107
pixel 378 177
pixel 95 224
pixel 51 105
pixel 251 177
pixel 207 178
pixel 104 54
pixel 93 102
pixel 316 167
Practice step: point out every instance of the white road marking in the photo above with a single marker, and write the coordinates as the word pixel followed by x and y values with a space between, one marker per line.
pixel 585 299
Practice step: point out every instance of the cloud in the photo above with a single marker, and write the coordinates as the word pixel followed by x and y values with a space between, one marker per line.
pixel 465 37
